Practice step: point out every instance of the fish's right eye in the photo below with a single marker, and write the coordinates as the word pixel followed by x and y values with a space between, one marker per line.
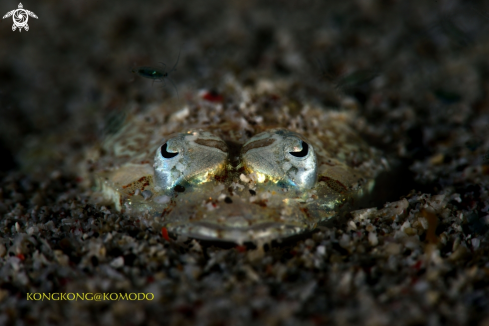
pixel 165 153
pixel 194 156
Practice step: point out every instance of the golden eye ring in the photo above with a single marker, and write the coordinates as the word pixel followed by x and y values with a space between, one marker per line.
pixel 283 156
pixel 188 155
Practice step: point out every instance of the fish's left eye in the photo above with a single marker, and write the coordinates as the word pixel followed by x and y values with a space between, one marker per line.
pixel 303 152
pixel 281 155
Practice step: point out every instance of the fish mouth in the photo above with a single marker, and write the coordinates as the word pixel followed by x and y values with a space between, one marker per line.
pixel 214 212
pixel 241 220
pixel 241 214
pixel 264 231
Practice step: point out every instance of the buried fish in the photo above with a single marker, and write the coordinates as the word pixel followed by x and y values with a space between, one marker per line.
pixel 247 170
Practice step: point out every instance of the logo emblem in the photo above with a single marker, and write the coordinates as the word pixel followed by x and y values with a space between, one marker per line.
pixel 20 16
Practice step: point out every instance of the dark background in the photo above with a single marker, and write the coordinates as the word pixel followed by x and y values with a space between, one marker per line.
pixel 77 57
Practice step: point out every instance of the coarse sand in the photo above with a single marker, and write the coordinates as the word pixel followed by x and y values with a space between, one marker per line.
pixel 414 73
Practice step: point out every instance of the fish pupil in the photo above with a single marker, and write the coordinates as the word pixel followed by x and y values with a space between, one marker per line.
pixel 165 153
pixel 303 152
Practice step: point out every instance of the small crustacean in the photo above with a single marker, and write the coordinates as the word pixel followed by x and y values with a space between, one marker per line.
pixel 258 166
pixel 157 74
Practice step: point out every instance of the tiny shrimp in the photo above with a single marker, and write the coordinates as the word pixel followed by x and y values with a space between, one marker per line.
pixel 156 74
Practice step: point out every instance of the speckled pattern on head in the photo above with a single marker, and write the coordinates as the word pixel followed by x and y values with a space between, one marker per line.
pixel 258 166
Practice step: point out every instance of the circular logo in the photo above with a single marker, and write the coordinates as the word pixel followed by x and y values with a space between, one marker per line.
pixel 20 18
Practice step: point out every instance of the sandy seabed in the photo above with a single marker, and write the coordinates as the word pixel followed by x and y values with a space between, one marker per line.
pixel 415 73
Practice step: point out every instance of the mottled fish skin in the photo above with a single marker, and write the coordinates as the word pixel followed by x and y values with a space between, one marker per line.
pixel 260 168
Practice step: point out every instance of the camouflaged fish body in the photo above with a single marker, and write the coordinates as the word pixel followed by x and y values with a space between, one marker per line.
pixel 261 169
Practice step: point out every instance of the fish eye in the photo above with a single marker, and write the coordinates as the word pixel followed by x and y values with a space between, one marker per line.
pixel 303 152
pixel 165 153
pixel 194 156
pixel 281 155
